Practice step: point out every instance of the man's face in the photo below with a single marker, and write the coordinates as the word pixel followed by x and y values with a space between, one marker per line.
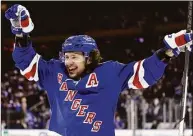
pixel 75 63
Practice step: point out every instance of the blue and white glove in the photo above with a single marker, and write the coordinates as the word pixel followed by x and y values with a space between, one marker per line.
pixel 178 41
pixel 21 23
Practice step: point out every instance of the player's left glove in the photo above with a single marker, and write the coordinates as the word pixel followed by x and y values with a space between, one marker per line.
pixel 178 41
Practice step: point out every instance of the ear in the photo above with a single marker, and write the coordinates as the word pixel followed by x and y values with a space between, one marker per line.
pixel 88 61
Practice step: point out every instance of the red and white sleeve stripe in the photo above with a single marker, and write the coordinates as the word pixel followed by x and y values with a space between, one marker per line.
pixel 31 72
pixel 137 80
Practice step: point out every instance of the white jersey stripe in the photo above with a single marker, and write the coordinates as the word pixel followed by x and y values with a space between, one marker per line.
pixel 141 75
pixel 130 82
pixel 29 68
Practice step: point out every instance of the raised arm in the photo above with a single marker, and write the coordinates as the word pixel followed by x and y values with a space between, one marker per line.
pixel 30 63
pixel 144 73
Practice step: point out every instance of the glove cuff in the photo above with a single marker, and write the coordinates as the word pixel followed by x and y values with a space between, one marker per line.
pixel 162 55
pixel 22 41
pixel 171 45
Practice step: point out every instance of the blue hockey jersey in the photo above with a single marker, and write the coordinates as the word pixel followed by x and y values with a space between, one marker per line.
pixel 86 107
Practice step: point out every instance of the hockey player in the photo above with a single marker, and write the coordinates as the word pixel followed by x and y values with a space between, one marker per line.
pixel 83 92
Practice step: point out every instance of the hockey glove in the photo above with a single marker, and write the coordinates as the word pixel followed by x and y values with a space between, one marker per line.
pixel 178 41
pixel 21 23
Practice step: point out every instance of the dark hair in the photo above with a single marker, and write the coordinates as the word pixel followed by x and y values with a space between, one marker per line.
pixel 95 59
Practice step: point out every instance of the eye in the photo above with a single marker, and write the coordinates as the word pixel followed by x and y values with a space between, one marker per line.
pixel 66 57
pixel 74 57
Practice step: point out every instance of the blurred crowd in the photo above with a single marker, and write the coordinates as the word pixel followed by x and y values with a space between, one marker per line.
pixel 25 105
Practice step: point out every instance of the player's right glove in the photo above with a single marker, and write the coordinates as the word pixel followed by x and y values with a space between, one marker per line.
pixel 21 23
pixel 178 41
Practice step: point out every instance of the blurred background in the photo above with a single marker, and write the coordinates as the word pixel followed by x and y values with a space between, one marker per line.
pixel 124 31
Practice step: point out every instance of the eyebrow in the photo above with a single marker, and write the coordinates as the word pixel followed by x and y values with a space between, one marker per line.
pixel 71 55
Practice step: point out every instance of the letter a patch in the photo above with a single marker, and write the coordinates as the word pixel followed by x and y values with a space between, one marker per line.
pixel 92 81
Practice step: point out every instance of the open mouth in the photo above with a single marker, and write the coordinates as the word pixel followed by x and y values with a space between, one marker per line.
pixel 72 70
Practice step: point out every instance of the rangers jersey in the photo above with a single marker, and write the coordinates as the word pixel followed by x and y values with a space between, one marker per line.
pixel 86 107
